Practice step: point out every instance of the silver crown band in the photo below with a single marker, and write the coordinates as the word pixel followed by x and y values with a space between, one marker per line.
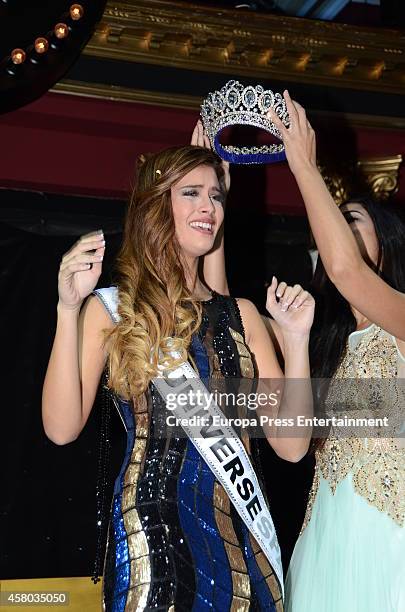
pixel 235 104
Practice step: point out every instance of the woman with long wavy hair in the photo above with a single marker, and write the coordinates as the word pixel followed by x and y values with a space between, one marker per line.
pixel 350 554
pixel 175 541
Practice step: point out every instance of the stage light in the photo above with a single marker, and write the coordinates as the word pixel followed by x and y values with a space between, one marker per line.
pixel 61 30
pixel 18 56
pixel 41 45
pixel 76 12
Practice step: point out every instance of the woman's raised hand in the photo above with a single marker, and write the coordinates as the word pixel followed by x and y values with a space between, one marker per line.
pixel 299 138
pixel 294 309
pixel 200 139
pixel 80 270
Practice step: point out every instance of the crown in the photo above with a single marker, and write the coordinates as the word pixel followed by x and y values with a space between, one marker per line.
pixel 235 104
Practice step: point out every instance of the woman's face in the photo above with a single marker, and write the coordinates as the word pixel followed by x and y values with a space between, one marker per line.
pixel 197 202
pixel 363 229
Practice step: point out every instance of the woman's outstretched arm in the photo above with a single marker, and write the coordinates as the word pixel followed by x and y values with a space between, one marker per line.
pixel 338 249
pixel 78 357
pixel 213 264
pixel 214 272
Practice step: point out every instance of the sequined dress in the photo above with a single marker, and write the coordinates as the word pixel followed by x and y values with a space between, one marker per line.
pixel 175 541
pixel 350 556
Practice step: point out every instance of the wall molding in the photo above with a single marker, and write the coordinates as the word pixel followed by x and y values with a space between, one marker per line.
pixel 379 174
pixel 182 101
pixel 244 43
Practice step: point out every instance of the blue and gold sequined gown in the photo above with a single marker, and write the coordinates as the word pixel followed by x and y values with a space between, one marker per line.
pixel 175 541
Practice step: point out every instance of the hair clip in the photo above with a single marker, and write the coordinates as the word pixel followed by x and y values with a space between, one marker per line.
pixel 158 173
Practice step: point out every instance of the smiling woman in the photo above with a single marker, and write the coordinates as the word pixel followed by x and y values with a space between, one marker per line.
pixel 198 211
pixel 176 540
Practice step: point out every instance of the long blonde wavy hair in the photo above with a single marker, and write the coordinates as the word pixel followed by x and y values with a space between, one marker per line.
pixel 154 301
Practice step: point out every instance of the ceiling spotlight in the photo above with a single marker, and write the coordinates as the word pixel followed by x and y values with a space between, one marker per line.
pixel 76 12
pixel 61 30
pixel 41 45
pixel 18 56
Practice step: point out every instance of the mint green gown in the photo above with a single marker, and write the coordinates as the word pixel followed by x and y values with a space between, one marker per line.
pixel 350 556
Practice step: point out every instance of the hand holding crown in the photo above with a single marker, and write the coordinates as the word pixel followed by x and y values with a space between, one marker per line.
pixel 298 137
pixel 282 117
pixel 199 138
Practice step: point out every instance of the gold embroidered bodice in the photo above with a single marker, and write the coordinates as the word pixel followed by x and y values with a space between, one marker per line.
pixel 376 463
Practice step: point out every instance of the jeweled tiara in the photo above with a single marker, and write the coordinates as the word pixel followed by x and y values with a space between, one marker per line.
pixel 235 104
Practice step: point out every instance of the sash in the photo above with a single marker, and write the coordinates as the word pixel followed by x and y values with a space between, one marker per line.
pixel 219 446
pixel 225 455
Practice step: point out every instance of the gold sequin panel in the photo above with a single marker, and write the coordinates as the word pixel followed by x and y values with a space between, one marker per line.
pixel 240 579
pixel 247 369
pixel 268 573
pixel 245 357
pixel 138 549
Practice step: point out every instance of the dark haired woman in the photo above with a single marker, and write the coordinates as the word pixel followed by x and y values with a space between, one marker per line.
pixel 175 540
pixel 350 555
